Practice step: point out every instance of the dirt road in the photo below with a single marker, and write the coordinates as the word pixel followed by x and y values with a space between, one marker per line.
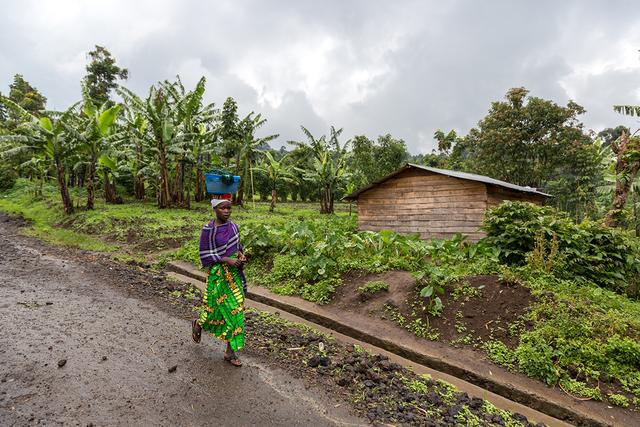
pixel 85 342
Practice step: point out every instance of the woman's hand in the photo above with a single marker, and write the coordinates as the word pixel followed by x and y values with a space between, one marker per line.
pixel 242 257
pixel 233 262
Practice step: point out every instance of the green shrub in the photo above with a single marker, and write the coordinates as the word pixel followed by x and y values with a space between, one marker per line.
pixel 623 350
pixel 8 177
pixel 618 400
pixel 321 291
pixel 498 352
pixel 580 389
pixel 535 359
pixel 589 251
pixel 371 288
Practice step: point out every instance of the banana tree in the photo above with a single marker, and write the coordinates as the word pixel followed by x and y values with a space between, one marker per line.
pixel 134 129
pixel 195 120
pixel 47 136
pixel 162 132
pixel 329 166
pixel 173 120
pixel 250 149
pixel 277 172
pixel 109 172
pixel 94 131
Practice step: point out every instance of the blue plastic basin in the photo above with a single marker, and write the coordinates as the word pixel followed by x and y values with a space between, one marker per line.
pixel 216 186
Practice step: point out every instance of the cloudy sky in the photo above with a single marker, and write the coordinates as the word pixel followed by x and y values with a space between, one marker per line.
pixel 372 67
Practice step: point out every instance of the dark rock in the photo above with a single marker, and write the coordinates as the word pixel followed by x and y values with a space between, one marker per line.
pixel 360 368
pixel 497 419
pixel 369 383
pixel 434 398
pixel 519 417
pixel 343 382
pixel 62 362
pixel 394 367
pixel 314 362
pixel 172 369
pixel 104 358
pixel 372 375
pixel 453 411
pixel 476 403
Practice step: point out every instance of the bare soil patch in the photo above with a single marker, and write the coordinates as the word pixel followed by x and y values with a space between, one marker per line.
pixel 486 316
pixel 478 308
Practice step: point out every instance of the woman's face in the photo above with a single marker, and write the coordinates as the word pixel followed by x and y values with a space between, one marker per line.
pixel 223 211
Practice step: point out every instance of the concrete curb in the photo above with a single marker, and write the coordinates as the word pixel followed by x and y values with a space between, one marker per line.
pixel 535 401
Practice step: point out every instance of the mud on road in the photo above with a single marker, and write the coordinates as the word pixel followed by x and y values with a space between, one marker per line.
pixel 86 341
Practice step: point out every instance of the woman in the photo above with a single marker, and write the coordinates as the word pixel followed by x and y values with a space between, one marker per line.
pixel 221 252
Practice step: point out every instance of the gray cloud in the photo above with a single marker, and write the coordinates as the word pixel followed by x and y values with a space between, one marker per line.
pixel 371 67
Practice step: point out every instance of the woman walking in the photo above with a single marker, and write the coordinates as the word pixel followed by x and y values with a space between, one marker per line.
pixel 221 252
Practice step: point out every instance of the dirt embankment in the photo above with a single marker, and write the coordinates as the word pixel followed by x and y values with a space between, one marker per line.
pixel 481 308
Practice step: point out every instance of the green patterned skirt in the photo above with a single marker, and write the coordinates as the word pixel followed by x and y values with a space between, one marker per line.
pixel 223 313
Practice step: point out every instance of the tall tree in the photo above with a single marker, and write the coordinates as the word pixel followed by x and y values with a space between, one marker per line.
pixel 445 141
pixel 91 131
pixel 230 132
pixel 523 140
pixel 371 160
pixel 329 166
pixel 627 151
pixel 362 161
pixel 609 135
pixel 162 133
pixel 250 148
pixel 27 97
pixel 47 137
pixel 102 75
pixel 389 154
pixel 277 172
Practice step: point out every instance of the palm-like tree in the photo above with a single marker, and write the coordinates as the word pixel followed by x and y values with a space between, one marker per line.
pixel 627 151
pixel 47 137
pixel 250 149
pixel 134 130
pixel 94 133
pixel 198 135
pixel 162 131
pixel 177 130
pixel 277 171
pixel 329 165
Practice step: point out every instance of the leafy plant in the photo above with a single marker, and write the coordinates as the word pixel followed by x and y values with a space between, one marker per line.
pixel 371 288
pixel 590 250
pixel 618 400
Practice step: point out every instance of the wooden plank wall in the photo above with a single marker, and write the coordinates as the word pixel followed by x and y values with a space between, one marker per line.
pixel 496 195
pixel 417 201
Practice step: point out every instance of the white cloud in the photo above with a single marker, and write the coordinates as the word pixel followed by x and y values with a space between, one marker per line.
pixel 371 67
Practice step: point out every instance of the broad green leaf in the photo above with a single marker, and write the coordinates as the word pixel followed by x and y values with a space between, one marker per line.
pixel 45 123
pixel 107 118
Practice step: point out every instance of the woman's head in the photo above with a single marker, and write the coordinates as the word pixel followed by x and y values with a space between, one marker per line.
pixel 222 209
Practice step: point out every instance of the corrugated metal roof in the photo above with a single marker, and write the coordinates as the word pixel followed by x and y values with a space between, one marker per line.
pixel 453 174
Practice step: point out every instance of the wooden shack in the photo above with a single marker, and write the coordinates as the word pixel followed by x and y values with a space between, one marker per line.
pixel 437 203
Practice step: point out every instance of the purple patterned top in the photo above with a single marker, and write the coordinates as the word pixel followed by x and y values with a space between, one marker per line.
pixel 218 241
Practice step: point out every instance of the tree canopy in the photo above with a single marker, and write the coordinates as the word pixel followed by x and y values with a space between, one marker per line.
pixel 102 75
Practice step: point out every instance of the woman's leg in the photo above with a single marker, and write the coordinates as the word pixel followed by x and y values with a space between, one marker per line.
pixel 231 357
pixel 196 331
